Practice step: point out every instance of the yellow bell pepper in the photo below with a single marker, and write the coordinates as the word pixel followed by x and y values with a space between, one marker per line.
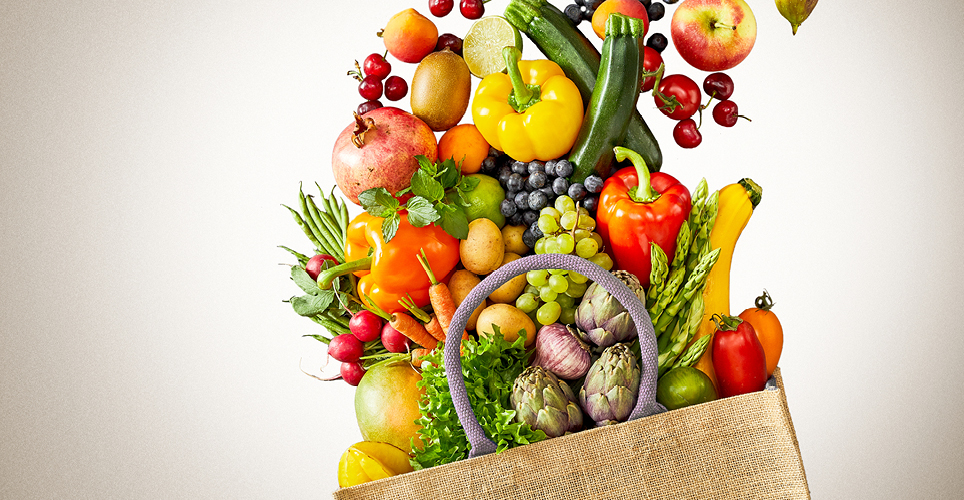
pixel 532 113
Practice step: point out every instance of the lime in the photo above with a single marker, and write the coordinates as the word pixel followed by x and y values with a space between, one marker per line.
pixel 485 200
pixel 684 386
pixel 483 44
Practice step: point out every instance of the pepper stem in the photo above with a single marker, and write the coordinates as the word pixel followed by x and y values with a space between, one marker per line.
pixel 328 275
pixel 643 192
pixel 523 95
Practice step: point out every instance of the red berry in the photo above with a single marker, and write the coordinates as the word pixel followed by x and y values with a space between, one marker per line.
pixel 345 348
pixel 370 88
pixel 718 85
pixel 376 65
pixel 472 9
pixel 651 61
pixel 368 106
pixel 365 325
pixel 726 113
pixel 317 263
pixel 393 340
pixel 449 41
pixel 440 8
pixel 352 372
pixel 686 134
pixel 395 88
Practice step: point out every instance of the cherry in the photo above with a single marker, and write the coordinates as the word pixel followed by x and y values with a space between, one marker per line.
pixel 651 61
pixel 376 65
pixel 365 325
pixel 726 113
pixel 449 41
pixel 472 9
pixel 395 88
pixel 317 263
pixel 686 134
pixel 352 372
pixel 440 8
pixel 370 88
pixel 718 85
pixel 368 106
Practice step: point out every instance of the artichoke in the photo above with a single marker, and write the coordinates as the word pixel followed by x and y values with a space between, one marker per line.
pixel 609 392
pixel 602 318
pixel 545 403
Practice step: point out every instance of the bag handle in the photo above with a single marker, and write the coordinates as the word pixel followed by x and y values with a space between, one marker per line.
pixel 646 401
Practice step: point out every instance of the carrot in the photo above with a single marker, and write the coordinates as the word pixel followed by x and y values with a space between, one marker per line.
pixel 440 296
pixel 409 327
pixel 435 329
pixel 418 356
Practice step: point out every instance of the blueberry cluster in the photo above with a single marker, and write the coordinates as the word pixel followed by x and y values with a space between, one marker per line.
pixel 583 10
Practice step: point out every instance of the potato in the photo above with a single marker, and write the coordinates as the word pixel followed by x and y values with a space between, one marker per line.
pixel 512 235
pixel 509 291
pixel 482 251
pixel 460 284
pixel 510 321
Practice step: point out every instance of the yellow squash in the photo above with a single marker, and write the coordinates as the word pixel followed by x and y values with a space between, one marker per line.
pixel 737 202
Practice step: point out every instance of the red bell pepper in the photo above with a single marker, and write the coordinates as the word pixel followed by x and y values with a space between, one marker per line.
pixel 636 208
pixel 738 357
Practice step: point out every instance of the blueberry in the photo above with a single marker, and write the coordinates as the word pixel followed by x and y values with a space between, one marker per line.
pixel 560 186
pixel 520 168
pixel 504 174
pixel 645 3
pixel 489 165
pixel 550 194
pixel 534 229
pixel 563 168
pixel 530 217
pixel 574 13
pixel 656 11
pixel 591 202
pixel 508 208
pixel 538 179
pixel 577 191
pixel 657 42
pixel 514 183
pixel 529 239
pixel 551 168
pixel 521 200
pixel 515 219
pixel 593 184
pixel 536 166
pixel 587 14
pixel 494 153
pixel 538 200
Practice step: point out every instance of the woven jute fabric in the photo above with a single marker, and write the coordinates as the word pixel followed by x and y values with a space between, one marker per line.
pixel 743 447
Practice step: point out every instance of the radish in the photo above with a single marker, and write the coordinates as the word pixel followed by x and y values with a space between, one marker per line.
pixel 352 372
pixel 316 264
pixel 365 325
pixel 345 348
pixel 393 340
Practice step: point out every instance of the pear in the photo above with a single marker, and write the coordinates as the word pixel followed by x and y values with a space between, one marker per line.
pixel 796 11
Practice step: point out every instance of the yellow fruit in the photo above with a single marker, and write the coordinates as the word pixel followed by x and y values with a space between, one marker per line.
pixel 394 459
pixel 370 461
pixel 510 290
pixel 386 405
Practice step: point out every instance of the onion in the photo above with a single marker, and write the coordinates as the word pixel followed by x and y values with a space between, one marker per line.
pixel 560 351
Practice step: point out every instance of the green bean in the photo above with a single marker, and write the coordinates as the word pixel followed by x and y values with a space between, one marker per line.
pixel 327 230
pixel 304 227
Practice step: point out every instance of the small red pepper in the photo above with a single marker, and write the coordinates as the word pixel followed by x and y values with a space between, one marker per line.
pixel 738 357
pixel 636 208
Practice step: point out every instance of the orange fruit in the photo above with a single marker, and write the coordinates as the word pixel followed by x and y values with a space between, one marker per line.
pixel 631 8
pixel 464 143
pixel 410 36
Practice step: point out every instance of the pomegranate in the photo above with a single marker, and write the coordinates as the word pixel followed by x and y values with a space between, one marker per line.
pixel 378 149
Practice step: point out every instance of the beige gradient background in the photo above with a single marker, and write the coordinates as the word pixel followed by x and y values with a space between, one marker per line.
pixel 146 148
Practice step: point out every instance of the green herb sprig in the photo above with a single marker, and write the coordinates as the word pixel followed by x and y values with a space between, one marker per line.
pixel 438 197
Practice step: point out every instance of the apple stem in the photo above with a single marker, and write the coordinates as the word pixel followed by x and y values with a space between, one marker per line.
pixel 716 24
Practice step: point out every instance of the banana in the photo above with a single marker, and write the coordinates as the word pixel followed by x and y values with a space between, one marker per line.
pixel 796 11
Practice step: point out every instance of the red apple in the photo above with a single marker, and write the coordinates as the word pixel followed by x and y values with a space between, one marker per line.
pixel 713 35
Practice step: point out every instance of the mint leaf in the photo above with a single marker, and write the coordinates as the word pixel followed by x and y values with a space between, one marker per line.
pixel 453 220
pixel 390 226
pixel 468 184
pixel 310 305
pixel 427 165
pixel 301 278
pixel 378 202
pixel 449 174
pixel 421 212
pixel 425 185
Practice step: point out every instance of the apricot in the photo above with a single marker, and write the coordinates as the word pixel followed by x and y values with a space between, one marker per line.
pixel 631 8
pixel 410 36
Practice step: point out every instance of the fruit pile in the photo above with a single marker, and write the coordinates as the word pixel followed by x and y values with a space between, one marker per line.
pixel 496 158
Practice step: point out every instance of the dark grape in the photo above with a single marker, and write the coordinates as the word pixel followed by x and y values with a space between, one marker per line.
pixel 560 186
pixel 520 168
pixel 577 191
pixel 657 42
pixel 593 184
pixel 656 11
pixel 368 106
pixel 538 200
pixel 537 179
pixel 508 208
pixel 574 13
pixel 530 217
pixel 521 200
pixel 564 168
pixel 515 182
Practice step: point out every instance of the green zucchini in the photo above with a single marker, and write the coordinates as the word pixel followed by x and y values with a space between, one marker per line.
pixel 560 41
pixel 617 85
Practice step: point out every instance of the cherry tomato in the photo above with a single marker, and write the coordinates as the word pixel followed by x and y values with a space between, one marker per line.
pixel 738 358
pixel 651 62
pixel 686 92
pixel 768 329
pixel 376 65
pixel 718 85
pixel 686 134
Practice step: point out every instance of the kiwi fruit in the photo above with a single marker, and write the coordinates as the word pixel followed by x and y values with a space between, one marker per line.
pixel 440 89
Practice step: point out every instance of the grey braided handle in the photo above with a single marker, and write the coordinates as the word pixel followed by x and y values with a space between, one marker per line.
pixel 646 402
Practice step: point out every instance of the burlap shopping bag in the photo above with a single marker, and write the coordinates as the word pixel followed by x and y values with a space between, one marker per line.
pixel 742 447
